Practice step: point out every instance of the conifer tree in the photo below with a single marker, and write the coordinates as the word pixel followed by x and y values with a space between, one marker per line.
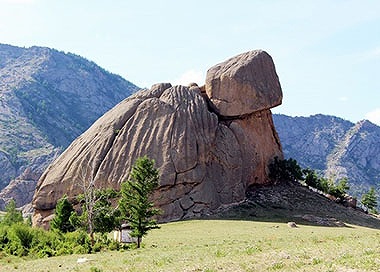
pixel 61 220
pixel 135 203
pixel 369 200
pixel 12 215
pixel 106 218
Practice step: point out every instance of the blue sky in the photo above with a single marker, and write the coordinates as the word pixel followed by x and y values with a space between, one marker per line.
pixel 327 53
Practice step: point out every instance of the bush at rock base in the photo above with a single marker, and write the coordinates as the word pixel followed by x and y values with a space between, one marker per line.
pixel 288 170
pixel 22 240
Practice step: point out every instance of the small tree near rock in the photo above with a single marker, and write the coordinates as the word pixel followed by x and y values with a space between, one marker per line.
pixel 106 218
pixel 63 212
pixel 135 203
pixel 102 218
pixel 369 200
pixel 311 178
pixel 13 215
pixel 340 189
pixel 285 170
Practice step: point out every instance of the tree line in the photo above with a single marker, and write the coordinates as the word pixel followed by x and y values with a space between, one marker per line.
pixel 290 170
pixel 85 231
pixel 101 211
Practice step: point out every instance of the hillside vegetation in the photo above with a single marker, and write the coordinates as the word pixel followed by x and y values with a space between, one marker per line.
pixel 229 245
pixel 336 147
pixel 254 235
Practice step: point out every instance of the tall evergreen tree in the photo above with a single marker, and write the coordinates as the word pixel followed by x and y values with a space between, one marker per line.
pixel 63 211
pixel 13 215
pixel 369 200
pixel 135 201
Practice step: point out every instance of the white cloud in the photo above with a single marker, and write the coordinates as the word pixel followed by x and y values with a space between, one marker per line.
pixel 374 116
pixel 375 53
pixel 343 98
pixel 370 54
pixel 190 76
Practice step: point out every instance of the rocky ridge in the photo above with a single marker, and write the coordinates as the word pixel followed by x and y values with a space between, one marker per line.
pixel 206 159
pixel 334 146
pixel 47 99
pixel 294 202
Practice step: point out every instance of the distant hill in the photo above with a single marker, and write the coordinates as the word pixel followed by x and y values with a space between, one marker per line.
pixel 47 99
pixel 334 146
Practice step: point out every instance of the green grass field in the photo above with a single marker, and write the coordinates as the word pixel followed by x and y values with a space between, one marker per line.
pixel 227 245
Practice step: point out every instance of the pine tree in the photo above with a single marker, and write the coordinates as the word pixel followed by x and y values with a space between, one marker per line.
pixel 285 170
pixel 369 200
pixel 12 216
pixel 106 218
pixel 135 201
pixel 63 211
pixel 311 178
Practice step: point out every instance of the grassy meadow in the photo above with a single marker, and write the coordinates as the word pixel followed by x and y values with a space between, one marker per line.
pixel 229 245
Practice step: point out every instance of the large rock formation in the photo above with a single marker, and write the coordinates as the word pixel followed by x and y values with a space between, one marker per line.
pixel 206 159
pixel 254 75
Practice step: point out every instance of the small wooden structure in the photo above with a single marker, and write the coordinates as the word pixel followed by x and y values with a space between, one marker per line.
pixel 124 235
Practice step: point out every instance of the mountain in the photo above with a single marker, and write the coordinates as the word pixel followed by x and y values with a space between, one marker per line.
pixel 334 146
pixel 47 99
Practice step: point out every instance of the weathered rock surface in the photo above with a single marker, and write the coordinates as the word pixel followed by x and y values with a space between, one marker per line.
pixel 205 160
pixel 8 169
pixel 244 84
pixel 21 189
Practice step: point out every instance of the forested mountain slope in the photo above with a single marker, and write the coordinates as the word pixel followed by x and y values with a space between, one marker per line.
pixel 47 99
pixel 334 146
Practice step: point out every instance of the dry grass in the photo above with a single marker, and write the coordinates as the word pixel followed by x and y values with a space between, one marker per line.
pixel 227 245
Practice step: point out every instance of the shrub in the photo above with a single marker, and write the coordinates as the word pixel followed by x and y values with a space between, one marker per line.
pixel 4 239
pixel 97 247
pixel 285 170
pixel 323 185
pixel 76 242
pixel 24 234
pixel 45 243
pixel 339 190
pixel 22 240
pixel 114 245
pixel 310 177
pixel 95 269
pixel 17 240
pixel 327 186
